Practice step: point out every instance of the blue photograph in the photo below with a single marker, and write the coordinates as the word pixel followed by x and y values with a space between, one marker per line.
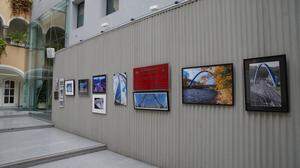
pixel 120 88
pixel 70 87
pixel 99 84
pixel 151 101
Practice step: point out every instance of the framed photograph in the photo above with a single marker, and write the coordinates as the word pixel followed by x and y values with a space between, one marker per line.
pixel 83 87
pixel 151 100
pixel 99 84
pixel 56 85
pixel 99 104
pixel 61 92
pixel 266 84
pixel 70 88
pixel 120 88
pixel 56 95
pixel 208 85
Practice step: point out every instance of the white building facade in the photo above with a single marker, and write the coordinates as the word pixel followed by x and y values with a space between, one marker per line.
pixel 101 15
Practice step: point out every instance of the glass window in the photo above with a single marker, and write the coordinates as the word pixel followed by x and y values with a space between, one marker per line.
pixel 112 6
pixel 5 99
pixel 12 84
pixel 80 15
pixel 11 100
pixel 9 91
pixel 12 92
pixel 6 92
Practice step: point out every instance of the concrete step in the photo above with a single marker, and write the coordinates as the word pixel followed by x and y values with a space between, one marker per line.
pixel 32 147
pixel 102 159
pixel 21 122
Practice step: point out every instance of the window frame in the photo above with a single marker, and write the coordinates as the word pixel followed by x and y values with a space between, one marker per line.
pixel 108 10
pixel 79 5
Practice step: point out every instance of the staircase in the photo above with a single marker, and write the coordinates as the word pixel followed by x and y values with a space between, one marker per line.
pixel 26 141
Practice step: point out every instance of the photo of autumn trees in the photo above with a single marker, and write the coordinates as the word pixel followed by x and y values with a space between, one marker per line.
pixel 208 85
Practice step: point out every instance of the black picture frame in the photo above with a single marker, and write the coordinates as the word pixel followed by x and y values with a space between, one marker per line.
pixel 166 109
pixel 56 95
pixel 83 93
pixel 267 92
pixel 104 87
pixel 67 92
pixel 206 102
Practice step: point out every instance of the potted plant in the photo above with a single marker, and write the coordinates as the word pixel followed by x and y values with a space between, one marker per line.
pixel 18 38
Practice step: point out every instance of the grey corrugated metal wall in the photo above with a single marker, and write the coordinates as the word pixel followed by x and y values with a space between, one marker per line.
pixel 191 136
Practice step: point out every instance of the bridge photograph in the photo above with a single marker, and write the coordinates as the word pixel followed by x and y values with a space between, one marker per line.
pixel 208 85
pixel 151 101
pixel 265 86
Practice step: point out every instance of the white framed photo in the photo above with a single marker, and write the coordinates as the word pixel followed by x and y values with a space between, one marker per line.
pixel 61 92
pixel 99 104
pixel 70 88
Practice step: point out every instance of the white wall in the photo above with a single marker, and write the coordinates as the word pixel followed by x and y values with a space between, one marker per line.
pixel 95 15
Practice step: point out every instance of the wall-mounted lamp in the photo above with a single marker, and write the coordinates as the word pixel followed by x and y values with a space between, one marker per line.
pixel 154 8
pixel 104 24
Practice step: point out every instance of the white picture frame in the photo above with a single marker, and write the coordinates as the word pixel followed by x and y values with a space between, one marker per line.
pixel 61 92
pixel 99 104
pixel 70 88
pixel 120 90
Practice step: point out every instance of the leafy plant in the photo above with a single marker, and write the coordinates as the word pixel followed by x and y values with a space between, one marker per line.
pixel 21 6
pixel 2 46
pixel 18 37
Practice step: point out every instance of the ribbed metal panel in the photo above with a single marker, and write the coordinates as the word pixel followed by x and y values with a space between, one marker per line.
pixel 191 136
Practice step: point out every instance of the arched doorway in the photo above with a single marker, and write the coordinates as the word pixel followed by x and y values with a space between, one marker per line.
pixel 11 86
pixel 55 38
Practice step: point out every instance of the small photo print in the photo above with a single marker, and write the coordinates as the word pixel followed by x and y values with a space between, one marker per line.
pixel 70 87
pixel 83 87
pixel 151 100
pixel 99 84
pixel 99 104
pixel 120 88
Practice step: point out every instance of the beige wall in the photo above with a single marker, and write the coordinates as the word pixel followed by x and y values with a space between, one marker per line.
pixel 14 56
pixel 5 12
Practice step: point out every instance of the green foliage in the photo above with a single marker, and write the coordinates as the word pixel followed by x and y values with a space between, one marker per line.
pixel 2 46
pixel 21 6
pixel 18 37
